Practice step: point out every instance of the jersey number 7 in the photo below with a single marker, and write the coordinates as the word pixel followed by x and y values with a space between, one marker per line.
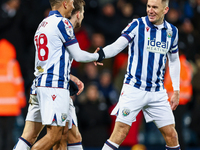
pixel 41 43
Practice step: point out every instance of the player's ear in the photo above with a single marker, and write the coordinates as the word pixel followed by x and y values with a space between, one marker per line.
pixel 166 9
pixel 78 14
pixel 64 4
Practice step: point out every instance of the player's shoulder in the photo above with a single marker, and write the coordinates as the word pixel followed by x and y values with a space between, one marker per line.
pixel 67 23
pixel 134 23
pixel 137 21
pixel 170 26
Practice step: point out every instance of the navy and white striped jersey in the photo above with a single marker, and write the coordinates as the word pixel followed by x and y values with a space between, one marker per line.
pixel 52 60
pixel 148 48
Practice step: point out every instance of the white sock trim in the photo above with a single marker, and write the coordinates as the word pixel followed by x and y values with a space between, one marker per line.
pixel 173 146
pixel 114 144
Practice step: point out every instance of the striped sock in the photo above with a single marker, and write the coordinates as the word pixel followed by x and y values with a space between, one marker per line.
pixel 173 148
pixel 75 146
pixel 109 145
pixel 22 144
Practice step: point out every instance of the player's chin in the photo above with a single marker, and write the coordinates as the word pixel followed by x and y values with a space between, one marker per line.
pixel 152 18
pixel 78 25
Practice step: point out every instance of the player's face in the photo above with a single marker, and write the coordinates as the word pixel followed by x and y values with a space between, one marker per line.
pixel 70 7
pixel 156 10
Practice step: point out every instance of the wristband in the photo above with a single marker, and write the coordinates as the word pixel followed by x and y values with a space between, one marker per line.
pixel 101 55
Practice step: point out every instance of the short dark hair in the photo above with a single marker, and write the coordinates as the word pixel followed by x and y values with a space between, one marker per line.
pixel 54 2
pixel 78 6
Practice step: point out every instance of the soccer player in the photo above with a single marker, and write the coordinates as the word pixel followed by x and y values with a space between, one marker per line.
pixel 151 41
pixel 71 139
pixel 56 46
pixel 34 126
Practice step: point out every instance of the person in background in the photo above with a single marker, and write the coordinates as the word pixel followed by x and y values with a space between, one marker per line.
pixel 107 88
pixel 195 115
pixel 12 97
pixel 93 116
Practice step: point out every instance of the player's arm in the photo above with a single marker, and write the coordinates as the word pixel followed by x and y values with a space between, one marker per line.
pixel 83 56
pixel 115 48
pixel 122 42
pixel 78 82
pixel 174 69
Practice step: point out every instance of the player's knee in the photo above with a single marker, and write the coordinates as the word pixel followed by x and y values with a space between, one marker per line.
pixel 172 136
pixel 123 134
pixel 79 137
pixel 56 138
pixel 74 138
pixel 123 129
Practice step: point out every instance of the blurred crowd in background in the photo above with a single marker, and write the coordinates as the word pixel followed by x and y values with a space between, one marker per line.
pixel 103 22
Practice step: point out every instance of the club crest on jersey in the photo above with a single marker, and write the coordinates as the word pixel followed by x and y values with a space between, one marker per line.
pixel 169 33
pixel 126 112
pixel 63 116
pixel 70 33
pixel 157 46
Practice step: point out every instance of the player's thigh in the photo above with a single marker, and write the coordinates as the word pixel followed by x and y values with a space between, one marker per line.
pixel 54 105
pixel 54 133
pixel 31 131
pixel 131 101
pixel 158 110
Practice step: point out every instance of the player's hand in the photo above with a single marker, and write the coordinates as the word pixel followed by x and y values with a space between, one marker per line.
pixel 80 87
pixel 95 62
pixel 174 102
pixel 78 82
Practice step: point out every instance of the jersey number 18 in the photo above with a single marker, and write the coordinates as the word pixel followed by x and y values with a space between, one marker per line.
pixel 41 43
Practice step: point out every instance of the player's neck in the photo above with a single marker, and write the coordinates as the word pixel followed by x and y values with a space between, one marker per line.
pixel 73 20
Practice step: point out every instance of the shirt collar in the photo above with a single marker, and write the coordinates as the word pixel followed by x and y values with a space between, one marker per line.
pixel 55 12
pixel 151 24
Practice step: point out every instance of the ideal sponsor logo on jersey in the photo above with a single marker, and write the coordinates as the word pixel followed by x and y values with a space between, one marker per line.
pixel 157 46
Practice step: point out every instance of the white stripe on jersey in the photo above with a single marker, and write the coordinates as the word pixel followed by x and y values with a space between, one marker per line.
pixel 52 60
pixel 148 48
